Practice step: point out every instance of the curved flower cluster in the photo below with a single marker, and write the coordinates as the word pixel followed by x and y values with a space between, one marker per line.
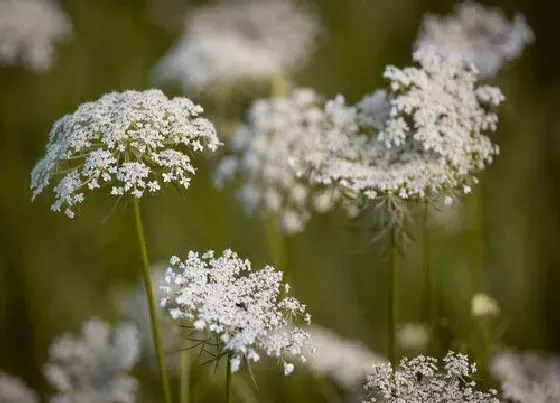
pixel 247 310
pixel 478 34
pixel 527 377
pixel 271 151
pixel 433 138
pixel 134 141
pixel 28 31
pixel 93 368
pixel 13 390
pixel 419 380
pixel 246 39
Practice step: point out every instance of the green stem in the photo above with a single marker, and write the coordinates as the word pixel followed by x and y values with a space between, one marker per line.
pixel 276 244
pixel 228 379
pixel 279 87
pixel 185 376
pixel 150 299
pixel 393 298
pixel 429 270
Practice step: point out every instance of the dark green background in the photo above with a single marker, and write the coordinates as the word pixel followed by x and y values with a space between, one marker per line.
pixel 55 272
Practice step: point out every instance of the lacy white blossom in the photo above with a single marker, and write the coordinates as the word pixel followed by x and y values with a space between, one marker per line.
pixel 476 33
pixel 271 151
pixel 93 368
pixel 347 362
pixel 133 141
pixel 13 390
pixel 235 40
pixel 432 140
pixel 419 380
pixel 29 29
pixel 484 305
pixel 527 377
pixel 245 310
pixel 413 336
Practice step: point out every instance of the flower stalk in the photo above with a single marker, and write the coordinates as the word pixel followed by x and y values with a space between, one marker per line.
pixel 393 297
pixel 429 271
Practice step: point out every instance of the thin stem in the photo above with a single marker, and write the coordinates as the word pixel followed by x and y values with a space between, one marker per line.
pixel 150 299
pixel 228 379
pixel 393 298
pixel 279 87
pixel 429 270
pixel 276 244
pixel 185 376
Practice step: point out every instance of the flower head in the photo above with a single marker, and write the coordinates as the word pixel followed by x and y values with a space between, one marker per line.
pixel 527 377
pixel 13 390
pixel 419 380
pixel 28 31
pixel 478 34
pixel 413 336
pixel 246 39
pixel 270 152
pixel 93 367
pixel 134 142
pixel 246 310
pixel 433 138
pixel 484 305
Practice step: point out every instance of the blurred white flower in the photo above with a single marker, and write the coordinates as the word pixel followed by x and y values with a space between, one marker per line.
pixel 131 141
pixel 413 336
pixel 236 40
pixel 93 368
pixel 246 309
pixel 13 390
pixel 419 380
pixel 433 139
pixel 347 362
pixel 29 29
pixel 271 151
pixel 484 305
pixel 476 33
pixel 527 377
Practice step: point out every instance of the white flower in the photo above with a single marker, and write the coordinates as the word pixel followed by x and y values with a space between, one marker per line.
pixel 419 380
pixel 93 368
pixel 131 141
pixel 29 29
pixel 481 35
pixel 433 139
pixel 246 39
pixel 413 336
pixel 281 136
pixel 347 362
pixel 13 390
pixel 288 368
pixel 484 305
pixel 527 377
pixel 246 309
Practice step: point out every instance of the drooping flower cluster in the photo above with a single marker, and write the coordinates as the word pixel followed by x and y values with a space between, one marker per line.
pixel 134 141
pixel 478 34
pixel 13 390
pixel 527 377
pixel 29 29
pixel 246 310
pixel 419 380
pixel 241 40
pixel 347 362
pixel 433 139
pixel 270 153
pixel 93 368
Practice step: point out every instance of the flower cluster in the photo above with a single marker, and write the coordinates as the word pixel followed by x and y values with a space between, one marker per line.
pixel 28 31
pixel 246 39
pixel 527 377
pixel 92 368
pixel 478 34
pixel 270 153
pixel 13 390
pixel 433 139
pixel 483 305
pixel 246 310
pixel 419 380
pixel 132 141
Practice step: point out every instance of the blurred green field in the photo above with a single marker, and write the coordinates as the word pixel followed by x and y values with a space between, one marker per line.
pixel 504 241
